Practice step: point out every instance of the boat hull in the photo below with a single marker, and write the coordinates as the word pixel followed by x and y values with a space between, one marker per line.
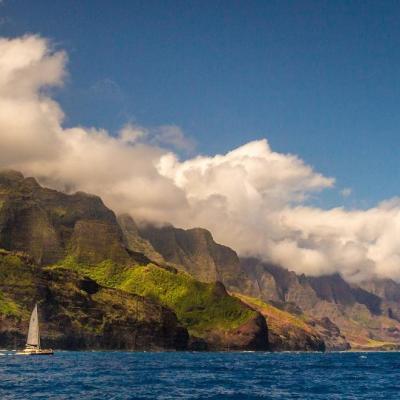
pixel 44 352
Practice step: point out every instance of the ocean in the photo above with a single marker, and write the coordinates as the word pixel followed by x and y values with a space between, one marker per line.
pixel 124 375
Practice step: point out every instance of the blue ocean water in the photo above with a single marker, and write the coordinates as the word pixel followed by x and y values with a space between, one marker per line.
pixel 123 375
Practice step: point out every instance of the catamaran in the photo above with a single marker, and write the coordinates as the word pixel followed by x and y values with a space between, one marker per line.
pixel 32 347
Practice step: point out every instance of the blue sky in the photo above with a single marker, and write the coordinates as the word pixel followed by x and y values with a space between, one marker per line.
pixel 319 79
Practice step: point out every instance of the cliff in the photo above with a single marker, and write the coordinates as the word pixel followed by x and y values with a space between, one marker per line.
pixel 135 242
pixel 287 331
pixel 346 315
pixel 196 252
pixel 48 225
pixel 184 272
pixel 340 314
pixel 78 313
pixel 214 319
pixel 71 238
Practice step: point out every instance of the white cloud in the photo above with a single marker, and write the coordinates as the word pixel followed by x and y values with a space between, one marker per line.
pixel 33 140
pixel 251 198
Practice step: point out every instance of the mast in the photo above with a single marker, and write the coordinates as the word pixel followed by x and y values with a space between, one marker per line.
pixel 33 333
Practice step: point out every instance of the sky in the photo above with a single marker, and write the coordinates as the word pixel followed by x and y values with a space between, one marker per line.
pixel 273 124
pixel 319 79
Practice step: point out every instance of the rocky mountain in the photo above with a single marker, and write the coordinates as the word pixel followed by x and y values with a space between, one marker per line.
pixel 151 287
pixel 48 225
pixel 331 310
pixel 388 292
pixel 196 252
pixel 340 314
pixel 360 314
pixel 73 239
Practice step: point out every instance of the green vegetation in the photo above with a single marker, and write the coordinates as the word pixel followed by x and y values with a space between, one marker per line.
pixel 13 271
pixel 9 307
pixel 15 276
pixel 107 273
pixel 201 307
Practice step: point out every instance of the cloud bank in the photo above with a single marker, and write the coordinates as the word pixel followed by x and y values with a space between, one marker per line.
pixel 251 198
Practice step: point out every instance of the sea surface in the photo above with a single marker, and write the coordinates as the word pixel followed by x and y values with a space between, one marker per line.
pixel 123 375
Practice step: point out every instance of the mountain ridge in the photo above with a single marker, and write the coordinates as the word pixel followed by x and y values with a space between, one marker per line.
pixel 78 232
pixel 345 315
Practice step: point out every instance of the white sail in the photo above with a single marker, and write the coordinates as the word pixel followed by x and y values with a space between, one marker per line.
pixel 33 333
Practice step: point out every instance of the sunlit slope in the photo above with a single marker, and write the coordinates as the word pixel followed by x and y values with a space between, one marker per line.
pixel 78 313
pixel 212 316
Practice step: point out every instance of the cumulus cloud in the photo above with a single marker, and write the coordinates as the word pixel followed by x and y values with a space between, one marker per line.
pixel 33 140
pixel 251 198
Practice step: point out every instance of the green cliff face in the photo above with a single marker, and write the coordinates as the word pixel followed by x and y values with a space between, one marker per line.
pixel 215 320
pixel 78 313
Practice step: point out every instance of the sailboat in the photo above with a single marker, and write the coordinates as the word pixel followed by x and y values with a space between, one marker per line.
pixel 32 347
